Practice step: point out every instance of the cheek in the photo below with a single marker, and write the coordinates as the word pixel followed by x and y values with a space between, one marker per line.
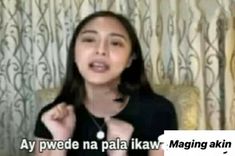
pixel 80 59
pixel 77 57
pixel 121 61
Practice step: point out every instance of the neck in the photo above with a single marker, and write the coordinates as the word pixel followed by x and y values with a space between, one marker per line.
pixel 99 92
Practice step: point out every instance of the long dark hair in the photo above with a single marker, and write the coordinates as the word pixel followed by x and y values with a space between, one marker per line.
pixel 132 79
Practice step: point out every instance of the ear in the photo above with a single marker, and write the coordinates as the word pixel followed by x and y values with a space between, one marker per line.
pixel 133 56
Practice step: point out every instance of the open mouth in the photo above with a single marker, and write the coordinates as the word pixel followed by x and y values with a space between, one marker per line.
pixel 99 66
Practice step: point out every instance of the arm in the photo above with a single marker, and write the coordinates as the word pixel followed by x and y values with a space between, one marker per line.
pixel 59 122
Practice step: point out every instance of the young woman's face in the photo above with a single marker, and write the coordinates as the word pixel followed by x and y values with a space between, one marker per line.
pixel 102 50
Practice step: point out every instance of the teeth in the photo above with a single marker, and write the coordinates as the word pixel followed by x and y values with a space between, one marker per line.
pixel 98 64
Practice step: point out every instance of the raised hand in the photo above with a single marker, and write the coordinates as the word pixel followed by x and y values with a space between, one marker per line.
pixel 60 121
pixel 118 129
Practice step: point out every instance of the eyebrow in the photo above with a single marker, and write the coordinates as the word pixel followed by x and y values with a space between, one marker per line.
pixel 89 31
pixel 111 34
pixel 119 35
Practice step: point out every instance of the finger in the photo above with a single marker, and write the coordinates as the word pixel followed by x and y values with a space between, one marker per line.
pixel 71 115
pixel 50 114
pixel 62 110
pixel 70 109
pixel 57 112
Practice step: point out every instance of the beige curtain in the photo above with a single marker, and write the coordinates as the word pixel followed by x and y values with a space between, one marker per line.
pixel 188 42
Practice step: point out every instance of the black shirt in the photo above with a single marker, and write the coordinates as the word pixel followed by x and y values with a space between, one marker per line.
pixel 149 114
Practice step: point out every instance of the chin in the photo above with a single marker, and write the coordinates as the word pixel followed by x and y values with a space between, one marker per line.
pixel 98 82
pixel 101 81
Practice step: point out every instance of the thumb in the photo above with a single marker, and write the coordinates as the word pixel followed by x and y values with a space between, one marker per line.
pixel 70 109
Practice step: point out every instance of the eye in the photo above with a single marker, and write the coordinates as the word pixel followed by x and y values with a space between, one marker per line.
pixel 117 43
pixel 88 39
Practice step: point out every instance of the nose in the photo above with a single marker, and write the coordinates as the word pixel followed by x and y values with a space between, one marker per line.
pixel 102 48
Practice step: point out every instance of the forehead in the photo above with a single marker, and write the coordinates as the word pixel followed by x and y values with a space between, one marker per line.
pixel 108 24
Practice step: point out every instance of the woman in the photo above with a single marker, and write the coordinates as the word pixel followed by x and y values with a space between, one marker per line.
pixel 105 95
